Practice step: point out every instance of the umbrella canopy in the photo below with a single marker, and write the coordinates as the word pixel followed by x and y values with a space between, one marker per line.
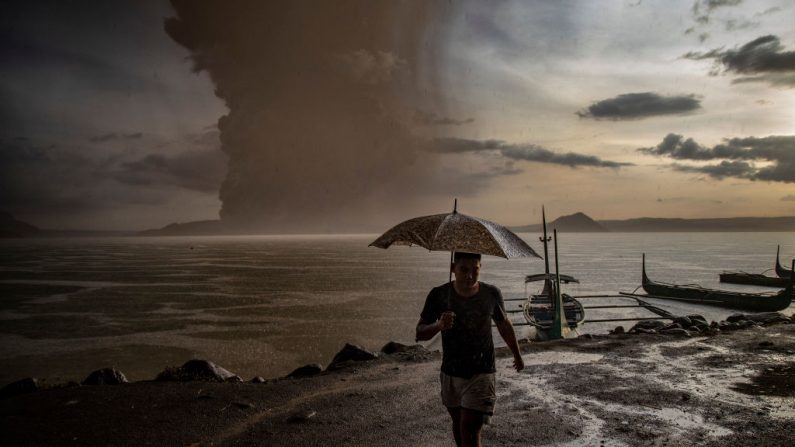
pixel 456 232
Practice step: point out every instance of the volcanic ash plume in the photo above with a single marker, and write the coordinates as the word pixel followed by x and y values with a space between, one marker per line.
pixel 318 94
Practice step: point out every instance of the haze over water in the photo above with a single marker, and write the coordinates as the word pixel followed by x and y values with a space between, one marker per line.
pixel 266 305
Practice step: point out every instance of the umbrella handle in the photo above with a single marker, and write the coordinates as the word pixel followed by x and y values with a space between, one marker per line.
pixel 450 280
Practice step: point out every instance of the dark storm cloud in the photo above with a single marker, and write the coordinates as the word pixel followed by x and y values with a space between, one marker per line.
pixel 762 60
pixel 632 106
pixel 319 125
pixel 702 9
pixel 523 152
pixel 431 119
pixel 39 177
pixel 484 26
pixel 768 159
pixel 20 150
pixel 702 15
pixel 739 169
pixel 571 159
pixel 112 136
pixel 201 171
pixel 95 54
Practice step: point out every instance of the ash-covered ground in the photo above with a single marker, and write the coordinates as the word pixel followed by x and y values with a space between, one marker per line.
pixel 727 389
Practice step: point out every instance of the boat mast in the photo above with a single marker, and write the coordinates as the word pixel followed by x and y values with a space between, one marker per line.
pixel 560 326
pixel 545 240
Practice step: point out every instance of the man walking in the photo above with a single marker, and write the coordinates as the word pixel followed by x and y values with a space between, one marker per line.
pixel 462 311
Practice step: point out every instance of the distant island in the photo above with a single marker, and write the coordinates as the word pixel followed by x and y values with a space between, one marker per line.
pixel 10 227
pixel 199 227
pixel 581 223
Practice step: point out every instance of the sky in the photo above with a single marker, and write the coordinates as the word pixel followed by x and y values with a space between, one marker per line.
pixel 350 116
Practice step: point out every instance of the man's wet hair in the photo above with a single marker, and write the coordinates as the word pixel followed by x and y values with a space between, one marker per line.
pixel 464 255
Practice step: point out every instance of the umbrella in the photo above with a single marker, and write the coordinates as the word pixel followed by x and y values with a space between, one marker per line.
pixel 456 232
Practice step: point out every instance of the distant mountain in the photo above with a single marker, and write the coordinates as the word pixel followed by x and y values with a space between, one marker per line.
pixel 197 228
pixel 702 225
pixel 580 222
pixel 11 227
pixel 575 223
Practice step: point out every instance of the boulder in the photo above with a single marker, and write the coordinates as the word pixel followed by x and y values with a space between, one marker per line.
pixel 733 318
pixel 195 371
pixel 768 318
pixel 675 331
pixel 24 386
pixel 648 324
pixel 700 326
pixel 726 326
pixel 618 330
pixel 673 325
pixel 393 347
pixel 105 376
pixel 351 353
pixel 643 331
pixel 257 379
pixel 698 319
pixel 412 353
pixel 683 322
pixel 309 370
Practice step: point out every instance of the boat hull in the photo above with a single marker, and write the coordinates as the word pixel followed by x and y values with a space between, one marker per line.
pixel 754 279
pixel 539 313
pixel 753 302
pixel 720 298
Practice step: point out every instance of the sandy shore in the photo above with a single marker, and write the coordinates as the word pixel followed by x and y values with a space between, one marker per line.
pixel 731 389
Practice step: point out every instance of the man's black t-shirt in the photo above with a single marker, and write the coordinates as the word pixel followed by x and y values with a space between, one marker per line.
pixel 468 348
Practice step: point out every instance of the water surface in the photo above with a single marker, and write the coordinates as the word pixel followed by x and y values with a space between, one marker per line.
pixel 264 305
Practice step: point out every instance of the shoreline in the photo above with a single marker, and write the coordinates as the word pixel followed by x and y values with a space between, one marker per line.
pixel 727 388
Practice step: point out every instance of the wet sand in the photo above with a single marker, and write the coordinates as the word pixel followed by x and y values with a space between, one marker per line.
pixel 730 389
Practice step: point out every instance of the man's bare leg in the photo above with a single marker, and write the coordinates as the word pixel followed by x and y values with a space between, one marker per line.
pixel 471 425
pixel 455 413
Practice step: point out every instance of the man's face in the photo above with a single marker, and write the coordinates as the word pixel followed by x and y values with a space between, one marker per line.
pixel 466 272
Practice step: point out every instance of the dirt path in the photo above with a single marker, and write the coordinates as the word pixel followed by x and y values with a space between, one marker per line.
pixel 732 389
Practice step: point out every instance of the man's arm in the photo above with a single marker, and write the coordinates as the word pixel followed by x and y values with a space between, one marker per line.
pixel 426 331
pixel 505 328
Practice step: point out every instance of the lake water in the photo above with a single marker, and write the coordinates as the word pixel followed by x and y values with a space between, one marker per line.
pixel 266 305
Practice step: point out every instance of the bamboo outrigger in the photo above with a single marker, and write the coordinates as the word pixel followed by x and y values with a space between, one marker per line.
pixel 755 302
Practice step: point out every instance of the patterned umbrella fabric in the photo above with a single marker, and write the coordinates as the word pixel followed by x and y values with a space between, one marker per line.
pixel 457 232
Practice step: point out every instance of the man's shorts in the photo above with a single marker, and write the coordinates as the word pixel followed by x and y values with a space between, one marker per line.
pixel 478 393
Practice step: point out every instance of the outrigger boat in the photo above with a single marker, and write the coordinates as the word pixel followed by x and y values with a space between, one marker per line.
pixel 540 310
pixel 780 270
pixel 754 279
pixel 755 302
